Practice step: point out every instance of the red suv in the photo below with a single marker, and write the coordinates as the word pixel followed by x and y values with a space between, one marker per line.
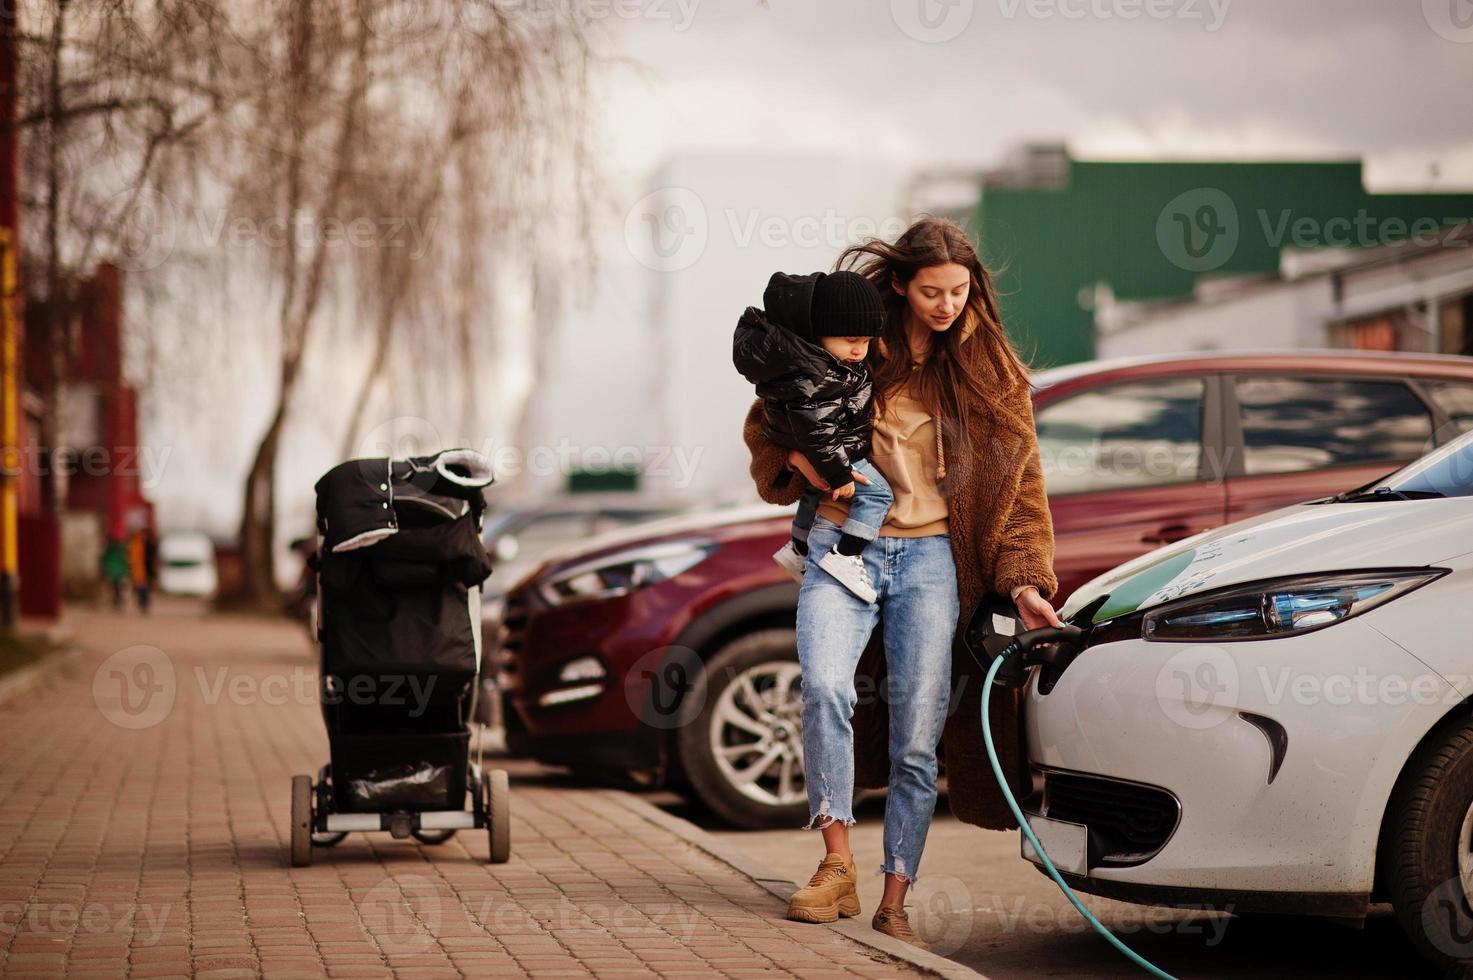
pixel 668 651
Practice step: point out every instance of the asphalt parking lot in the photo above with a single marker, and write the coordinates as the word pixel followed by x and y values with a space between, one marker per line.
pixel 979 903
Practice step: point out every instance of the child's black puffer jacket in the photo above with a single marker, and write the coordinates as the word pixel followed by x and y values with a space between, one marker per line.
pixel 812 401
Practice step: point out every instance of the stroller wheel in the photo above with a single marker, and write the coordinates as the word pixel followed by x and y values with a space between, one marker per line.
pixel 323 789
pixel 498 814
pixel 301 821
pixel 433 836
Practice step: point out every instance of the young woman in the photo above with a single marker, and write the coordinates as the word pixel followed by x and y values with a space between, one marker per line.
pixel 953 434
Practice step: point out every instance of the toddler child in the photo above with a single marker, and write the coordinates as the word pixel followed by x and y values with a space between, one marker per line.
pixel 805 353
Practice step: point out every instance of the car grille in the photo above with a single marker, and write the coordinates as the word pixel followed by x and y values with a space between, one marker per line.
pixel 1128 822
pixel 514 616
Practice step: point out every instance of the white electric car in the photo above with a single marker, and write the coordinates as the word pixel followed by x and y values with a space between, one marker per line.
pixel 1275 715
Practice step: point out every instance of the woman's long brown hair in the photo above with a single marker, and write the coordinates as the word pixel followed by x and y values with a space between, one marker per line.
pixel 957 373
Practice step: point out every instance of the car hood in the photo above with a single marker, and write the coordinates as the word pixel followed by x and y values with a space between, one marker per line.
pixel 1300 539
pixel 716 522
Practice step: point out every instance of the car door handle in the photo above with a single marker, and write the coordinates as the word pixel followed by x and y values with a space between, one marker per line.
pixel 1167 533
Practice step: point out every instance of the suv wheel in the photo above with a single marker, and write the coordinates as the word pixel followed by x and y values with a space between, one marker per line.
pixel 743 752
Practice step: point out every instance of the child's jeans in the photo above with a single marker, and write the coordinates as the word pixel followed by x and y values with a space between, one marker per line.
pixel 867 508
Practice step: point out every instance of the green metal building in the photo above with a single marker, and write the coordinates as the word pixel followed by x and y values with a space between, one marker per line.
pixel 1053 229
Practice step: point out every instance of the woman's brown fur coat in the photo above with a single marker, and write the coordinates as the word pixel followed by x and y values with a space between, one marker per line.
pixel 1001 536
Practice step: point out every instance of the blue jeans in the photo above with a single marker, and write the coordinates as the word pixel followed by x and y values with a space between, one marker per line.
pixel 919 606
pixel 868 508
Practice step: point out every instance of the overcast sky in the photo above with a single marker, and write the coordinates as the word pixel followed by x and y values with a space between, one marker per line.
pixel 957 82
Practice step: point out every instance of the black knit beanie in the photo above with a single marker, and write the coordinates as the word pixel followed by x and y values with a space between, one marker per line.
pixel 846 304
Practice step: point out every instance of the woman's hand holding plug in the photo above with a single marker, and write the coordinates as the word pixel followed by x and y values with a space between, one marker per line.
pixel 1035 610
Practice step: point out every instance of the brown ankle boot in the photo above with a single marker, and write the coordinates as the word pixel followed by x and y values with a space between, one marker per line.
pixel 892 921
pixel 830 893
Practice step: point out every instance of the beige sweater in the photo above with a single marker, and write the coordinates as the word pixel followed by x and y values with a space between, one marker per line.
pixel 903 449
pixel 907 452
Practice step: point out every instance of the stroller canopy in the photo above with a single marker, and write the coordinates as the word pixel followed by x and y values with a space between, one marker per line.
pixel 402 562
pixel 358 501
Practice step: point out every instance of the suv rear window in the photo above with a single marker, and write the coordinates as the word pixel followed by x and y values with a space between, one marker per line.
pixel 1118 436
pixel 1297 423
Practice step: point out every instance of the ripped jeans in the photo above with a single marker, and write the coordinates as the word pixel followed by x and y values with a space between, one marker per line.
pixel 919 606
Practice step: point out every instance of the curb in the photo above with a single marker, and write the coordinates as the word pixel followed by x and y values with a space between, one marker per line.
pixel 783 888
pixel 18 683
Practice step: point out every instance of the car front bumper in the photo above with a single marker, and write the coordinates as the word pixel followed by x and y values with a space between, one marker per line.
pixel 1331 715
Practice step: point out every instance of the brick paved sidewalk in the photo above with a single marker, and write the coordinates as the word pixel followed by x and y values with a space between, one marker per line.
pixel 144 804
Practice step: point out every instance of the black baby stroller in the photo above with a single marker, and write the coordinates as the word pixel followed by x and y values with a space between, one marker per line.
pixel 397 621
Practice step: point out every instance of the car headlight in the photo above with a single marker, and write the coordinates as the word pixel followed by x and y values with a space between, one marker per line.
pixel 625 571
pixel 1282 607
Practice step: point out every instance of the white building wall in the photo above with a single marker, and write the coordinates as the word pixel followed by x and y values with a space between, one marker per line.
pixel 1288 315
pixel 646 361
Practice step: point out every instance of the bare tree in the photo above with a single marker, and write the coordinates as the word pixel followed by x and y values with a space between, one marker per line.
pixel 514 159
pixel 304 138
pixel 111 95
pixel 393 278
pixel 375 114
pixel 295 114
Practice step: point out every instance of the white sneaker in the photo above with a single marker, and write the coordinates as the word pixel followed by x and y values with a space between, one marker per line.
pixel 849 570
pixel 793 563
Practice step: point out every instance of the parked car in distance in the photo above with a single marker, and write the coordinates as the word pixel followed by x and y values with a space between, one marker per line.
pixel 1274 716
pixel 520 537
pixel 1137 452
pixel 186 564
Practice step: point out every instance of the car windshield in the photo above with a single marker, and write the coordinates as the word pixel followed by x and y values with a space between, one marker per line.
pixel 1446 471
